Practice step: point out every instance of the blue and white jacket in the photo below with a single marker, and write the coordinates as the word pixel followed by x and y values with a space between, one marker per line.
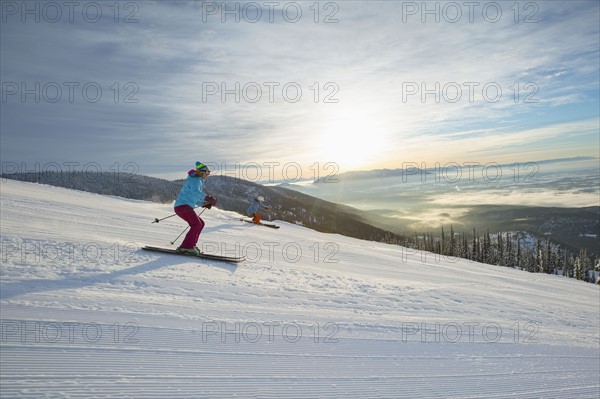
pixel 254 207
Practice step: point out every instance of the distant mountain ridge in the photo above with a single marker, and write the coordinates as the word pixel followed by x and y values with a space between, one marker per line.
pixel 414 168
pixel 233 194
pixel 371 174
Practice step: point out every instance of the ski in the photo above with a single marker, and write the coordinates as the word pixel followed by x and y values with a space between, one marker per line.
pixel 230 259
pixel 273 226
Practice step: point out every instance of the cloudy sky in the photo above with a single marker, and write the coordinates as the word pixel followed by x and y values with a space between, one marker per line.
pixel 152 87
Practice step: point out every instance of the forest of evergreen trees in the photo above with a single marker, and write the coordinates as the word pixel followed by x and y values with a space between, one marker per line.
pixel 519 250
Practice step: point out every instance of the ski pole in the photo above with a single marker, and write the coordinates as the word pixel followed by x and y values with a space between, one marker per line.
pixel 173 242
pixel 180 234
pixel 156 220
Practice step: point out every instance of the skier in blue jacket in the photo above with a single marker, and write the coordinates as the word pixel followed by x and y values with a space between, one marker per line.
pixel 256 206
pixel 191 195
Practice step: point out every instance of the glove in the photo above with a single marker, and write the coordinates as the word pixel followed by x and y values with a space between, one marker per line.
pixel 209 202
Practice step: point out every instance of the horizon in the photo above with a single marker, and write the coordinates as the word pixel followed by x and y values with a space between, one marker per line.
pixel 269 169
pixel 327 87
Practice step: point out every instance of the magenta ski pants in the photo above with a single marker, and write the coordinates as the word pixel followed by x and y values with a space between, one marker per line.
pixel 187 213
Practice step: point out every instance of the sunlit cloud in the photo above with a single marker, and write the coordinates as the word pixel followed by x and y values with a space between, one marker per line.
pixel 536 198
pixel 197 79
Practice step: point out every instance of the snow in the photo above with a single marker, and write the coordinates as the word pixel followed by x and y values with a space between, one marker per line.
pixel 86 313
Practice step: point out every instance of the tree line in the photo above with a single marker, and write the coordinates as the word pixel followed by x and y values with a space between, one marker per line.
pixel 517 250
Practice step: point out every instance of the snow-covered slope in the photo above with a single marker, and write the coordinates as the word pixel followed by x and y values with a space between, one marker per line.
pixel 86 313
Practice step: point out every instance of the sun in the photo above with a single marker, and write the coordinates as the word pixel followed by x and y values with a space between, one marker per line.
pixel 352 140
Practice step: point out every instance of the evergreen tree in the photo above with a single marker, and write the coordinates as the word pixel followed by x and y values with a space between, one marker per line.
pixel 566 265
pixel 465 247
pixel 487 248
pixel 558 260
pixel 519 261
pixel 539 262
pixel 530 261
pixel 474 249
pixel 452 250
pixel 500 250
pixel 586 264
pixel 509 260
pixel 548 258
pixel 442 248
pixel 577 272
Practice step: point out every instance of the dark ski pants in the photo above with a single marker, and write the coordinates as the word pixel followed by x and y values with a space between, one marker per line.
pixel 187 213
